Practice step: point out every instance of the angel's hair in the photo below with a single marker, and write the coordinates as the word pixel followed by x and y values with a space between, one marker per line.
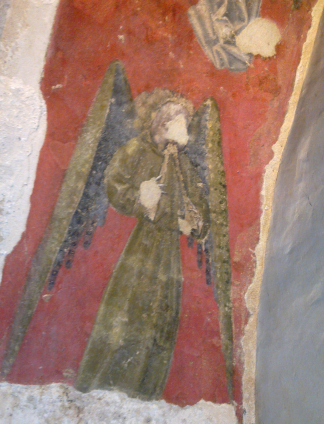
pixel 148 106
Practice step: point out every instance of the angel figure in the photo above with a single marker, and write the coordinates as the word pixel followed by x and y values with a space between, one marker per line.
pixel 136 326
pixel 157 160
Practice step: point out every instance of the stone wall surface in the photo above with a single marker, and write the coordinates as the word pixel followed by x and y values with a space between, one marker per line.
pixel 23 45
pixel 58 403
pixel 270 178
pixel 289 372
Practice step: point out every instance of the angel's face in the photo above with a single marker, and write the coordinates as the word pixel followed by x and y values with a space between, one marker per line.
pixel 170 126
pixel 176 131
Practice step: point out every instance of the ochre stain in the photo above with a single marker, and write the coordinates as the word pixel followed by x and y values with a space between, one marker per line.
pixel 157 45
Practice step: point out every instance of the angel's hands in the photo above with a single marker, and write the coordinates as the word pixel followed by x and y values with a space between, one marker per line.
pixel 150 194
pixel 189 229
pixel 185 227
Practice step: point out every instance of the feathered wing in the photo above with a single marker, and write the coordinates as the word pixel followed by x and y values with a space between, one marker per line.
pixel 115 125
pixel 82 202
pixel 205 152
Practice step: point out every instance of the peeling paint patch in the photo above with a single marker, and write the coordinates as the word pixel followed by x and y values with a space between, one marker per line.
pixel 260 37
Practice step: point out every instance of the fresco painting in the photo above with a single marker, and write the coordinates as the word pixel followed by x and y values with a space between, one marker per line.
pixel 216 25
pixel 138 250
pixel 165 177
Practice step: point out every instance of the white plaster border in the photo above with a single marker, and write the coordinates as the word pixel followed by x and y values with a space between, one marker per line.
pixel 24 41
pixel 270 177
pixel 59 403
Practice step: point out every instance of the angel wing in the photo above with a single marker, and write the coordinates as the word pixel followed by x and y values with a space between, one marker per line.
pixel 82 204
pixel 205 152
pixel 216 24
pixel 93 205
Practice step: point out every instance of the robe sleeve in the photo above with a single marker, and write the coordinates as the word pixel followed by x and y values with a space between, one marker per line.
pixel 122 184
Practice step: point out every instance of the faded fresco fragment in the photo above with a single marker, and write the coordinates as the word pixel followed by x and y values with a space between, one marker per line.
pixel 115 209
pixel 166 177
pixel 231 31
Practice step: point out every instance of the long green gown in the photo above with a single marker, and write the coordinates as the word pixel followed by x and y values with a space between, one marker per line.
pixel 133 338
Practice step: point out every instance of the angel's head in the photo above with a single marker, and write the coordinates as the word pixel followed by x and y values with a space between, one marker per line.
pixel 170 125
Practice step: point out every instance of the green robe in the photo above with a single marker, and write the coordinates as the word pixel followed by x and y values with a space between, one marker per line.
pixel 133 338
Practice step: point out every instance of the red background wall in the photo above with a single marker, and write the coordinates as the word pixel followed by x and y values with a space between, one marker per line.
pixel 157 45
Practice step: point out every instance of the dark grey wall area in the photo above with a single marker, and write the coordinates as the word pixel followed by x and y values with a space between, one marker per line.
pixel 290 334
pixel 4 7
